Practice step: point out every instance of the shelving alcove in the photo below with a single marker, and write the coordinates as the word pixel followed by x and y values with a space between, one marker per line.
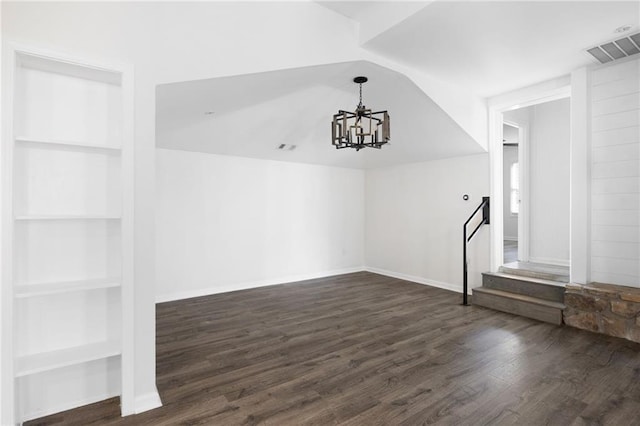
pixel 67 234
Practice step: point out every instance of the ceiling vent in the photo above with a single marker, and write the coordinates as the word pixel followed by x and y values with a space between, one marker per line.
pixel 617 49
pixel 286 147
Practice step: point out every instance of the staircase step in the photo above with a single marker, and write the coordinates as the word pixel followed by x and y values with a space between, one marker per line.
pixel 518 304
pixel 537 270
pixel 526 286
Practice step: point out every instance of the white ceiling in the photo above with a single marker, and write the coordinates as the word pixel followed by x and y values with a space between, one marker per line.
pixel 487 48
pixel 354 9
pixel 257 112
pixel 492 47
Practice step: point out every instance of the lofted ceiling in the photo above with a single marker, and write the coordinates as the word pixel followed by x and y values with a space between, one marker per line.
pixel 491 47
pixel 251 115
pixel 484 48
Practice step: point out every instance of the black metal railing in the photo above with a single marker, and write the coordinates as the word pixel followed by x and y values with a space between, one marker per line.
pixel 486 210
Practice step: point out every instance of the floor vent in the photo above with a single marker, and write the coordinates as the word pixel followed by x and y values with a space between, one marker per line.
pixel 617 49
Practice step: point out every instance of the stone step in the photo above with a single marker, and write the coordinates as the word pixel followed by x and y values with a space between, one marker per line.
pixel 527 286
pixel 518 304
pixel 537 270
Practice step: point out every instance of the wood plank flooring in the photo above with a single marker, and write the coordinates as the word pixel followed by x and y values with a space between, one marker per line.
pixel 364 349
pixel 510 251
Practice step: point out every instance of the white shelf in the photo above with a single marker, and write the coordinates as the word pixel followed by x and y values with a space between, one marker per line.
pixel 69 68
pixel 45 361
pixel 68 144
pixel 66 217
pixel 43 289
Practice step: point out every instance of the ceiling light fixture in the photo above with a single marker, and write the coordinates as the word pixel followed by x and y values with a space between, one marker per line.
pixel 362 128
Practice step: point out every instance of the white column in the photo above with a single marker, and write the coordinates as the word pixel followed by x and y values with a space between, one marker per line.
pixel 580 208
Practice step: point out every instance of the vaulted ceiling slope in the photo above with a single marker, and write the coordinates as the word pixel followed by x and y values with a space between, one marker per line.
pixel 437 61
pixel 489 47
pixel 251 115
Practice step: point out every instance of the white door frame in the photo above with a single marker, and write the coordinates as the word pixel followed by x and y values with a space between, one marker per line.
pixel 523 213
pixel 544 92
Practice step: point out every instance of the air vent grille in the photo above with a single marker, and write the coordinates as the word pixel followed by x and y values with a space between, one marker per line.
pixel 286 147
pixel 617 49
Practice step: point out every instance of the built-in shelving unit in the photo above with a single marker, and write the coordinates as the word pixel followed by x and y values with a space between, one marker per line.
pixel 67 212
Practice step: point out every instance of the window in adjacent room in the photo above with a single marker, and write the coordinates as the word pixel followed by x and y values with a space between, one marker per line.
pixel 515 188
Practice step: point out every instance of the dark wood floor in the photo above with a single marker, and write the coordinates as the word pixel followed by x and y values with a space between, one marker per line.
pixel 363 349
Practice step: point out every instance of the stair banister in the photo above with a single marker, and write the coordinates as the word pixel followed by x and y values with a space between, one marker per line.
pixel 485 205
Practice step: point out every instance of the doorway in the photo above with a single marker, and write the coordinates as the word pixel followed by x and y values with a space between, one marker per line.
pixel 534 190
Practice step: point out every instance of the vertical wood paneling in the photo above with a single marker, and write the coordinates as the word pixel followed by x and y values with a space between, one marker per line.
pixel 615 169
pixel 618 217
pixel 606 154
pixel 615 105
pixel 615 120
pixel 615 174
pixel 615 201
pixel 614 233
pixel 616 136
pixel 616 249
pixel 624 185
pixel 620 279
pixel 615 88
pixel 621 71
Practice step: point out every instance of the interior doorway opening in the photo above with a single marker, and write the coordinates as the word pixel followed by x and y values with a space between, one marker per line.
pixel 548 103
pixel 536 183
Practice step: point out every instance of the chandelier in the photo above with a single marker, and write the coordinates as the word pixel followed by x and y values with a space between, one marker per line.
pixel 362 128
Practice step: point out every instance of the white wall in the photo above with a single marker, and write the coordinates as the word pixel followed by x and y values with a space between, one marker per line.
pixel 225 223
pixel 615 173
pixel 549 182
pixel 548 149
pixel 414 218
pixel 509 157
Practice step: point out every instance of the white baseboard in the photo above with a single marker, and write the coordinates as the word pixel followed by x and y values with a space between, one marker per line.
pixel 147 402
pixel 549 261
pixel 142 403
pixel 66 406
pixel 169 297
pixel 294 278
pixel 415 279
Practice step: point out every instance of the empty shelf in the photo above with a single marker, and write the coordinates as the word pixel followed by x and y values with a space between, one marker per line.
pixel 42 289
pixel 66 217
pixel 69 144
pixel 45 361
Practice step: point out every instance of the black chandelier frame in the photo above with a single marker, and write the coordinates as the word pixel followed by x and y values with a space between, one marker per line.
pixel 362 128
